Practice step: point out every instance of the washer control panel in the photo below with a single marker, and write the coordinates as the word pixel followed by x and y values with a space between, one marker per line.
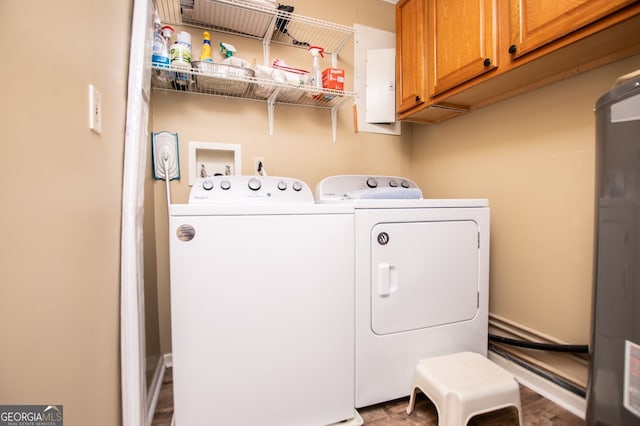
pixel 262 189
pixel 344 187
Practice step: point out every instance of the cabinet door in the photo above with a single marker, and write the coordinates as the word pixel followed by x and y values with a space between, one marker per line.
pixel 535 23
pixel 461 41
pixel 410 52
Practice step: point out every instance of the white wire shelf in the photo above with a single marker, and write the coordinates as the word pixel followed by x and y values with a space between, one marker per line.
pixel 258 19
pixel 252 88
pixel 263 20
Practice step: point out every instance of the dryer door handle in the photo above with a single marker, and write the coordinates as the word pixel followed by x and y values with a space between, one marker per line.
pixel 387 278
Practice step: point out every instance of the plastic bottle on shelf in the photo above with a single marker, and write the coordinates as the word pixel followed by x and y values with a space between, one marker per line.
pixel 159 52
pixel 206 48
pixel 227 50
pixel 181 58
pixel 316 73
pixel 160 57
pixel 167 32
pixel 161 36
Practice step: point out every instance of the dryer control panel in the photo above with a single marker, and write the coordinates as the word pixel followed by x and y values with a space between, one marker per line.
pixel 348 187
pixel 249 189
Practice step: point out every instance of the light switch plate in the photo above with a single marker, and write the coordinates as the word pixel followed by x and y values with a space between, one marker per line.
pixel 95 109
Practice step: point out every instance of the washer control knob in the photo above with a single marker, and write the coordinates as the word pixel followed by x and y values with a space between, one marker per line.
pixel 372 182
pixel 254 184
pixel 225 184
pixel 207 184
pixel 405 184
pixel 282 185
pixel 297 186
pixel 393 183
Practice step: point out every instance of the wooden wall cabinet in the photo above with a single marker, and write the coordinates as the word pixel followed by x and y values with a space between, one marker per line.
pixel 461 36
pixel 459 55
pixel 535 23
pixel 411 89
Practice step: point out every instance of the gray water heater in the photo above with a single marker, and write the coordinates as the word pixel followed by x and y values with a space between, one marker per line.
pixel 614 381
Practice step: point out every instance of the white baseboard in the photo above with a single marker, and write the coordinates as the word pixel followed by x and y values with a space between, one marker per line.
pixel 154 389
pixel 557 394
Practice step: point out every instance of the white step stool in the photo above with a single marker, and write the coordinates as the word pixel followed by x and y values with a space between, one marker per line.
pixel 463 385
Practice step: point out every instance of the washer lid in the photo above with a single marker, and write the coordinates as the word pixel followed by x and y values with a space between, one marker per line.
pixel 258 209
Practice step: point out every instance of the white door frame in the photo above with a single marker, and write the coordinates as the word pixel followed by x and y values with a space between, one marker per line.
pixel 132 326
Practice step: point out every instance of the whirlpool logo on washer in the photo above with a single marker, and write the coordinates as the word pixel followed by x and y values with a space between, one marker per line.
pixel 383 238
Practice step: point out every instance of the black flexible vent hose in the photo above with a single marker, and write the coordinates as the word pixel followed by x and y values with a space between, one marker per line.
pixel 553 347
pixel 547 375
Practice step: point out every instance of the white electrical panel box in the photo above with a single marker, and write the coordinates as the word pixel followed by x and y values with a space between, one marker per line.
pixel 368 42
pixel 381 86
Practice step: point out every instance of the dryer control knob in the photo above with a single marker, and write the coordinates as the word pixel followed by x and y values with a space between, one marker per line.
pixel 254 184
pixel 225 184
pixel 405 184
pixel 207 184
pixel 297 186
pixel 393 183
pixel 372 182
pixel 282 185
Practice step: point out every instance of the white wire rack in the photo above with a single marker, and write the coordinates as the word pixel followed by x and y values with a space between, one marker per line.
pixel 258 19
pixel 252 88
pixel 262 20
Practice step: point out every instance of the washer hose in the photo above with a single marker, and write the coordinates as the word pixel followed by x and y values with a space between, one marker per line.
pixel 553 347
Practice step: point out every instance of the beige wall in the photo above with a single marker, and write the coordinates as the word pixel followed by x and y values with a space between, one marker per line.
pixel 302 144
pixel 533 158
pixel 60 187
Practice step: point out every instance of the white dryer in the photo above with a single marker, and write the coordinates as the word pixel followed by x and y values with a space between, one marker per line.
pixel 262 305
pixel 421 276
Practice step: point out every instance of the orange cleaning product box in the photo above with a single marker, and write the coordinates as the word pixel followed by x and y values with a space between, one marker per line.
pixel 333 78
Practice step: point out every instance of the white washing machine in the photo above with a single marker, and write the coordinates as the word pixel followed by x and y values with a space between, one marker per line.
pixel 262 305
pixel 422 274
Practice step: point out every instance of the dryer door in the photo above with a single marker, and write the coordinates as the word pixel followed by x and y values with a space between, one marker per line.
pixel 423 274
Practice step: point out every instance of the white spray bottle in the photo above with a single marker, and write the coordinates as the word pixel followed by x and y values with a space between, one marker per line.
pixel 227 50
pixel 160 51
pixel 316 74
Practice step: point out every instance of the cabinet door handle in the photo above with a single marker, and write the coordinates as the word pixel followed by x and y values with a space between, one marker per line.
pixel 487 62
pixel 513 49
pixel 407 104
